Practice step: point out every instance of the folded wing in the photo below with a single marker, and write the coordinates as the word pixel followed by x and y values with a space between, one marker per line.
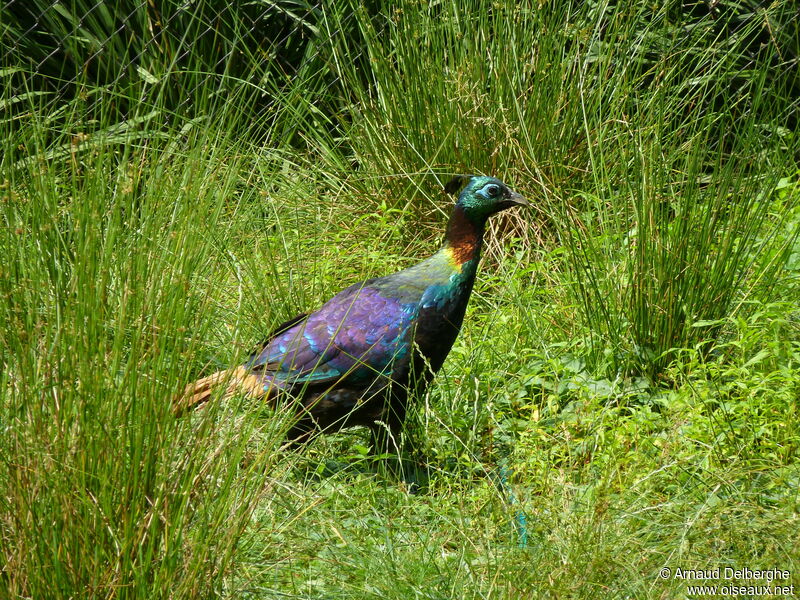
pixel 358 335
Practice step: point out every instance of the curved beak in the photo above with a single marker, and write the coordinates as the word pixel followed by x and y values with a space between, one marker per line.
pixel 516 198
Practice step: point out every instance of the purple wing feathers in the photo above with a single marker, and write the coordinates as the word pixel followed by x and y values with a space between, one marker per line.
pixel 358 333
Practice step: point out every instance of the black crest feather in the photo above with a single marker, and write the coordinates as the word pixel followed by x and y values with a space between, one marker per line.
pixel 456 183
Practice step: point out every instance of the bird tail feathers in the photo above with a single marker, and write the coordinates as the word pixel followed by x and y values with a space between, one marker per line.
pixel 236 381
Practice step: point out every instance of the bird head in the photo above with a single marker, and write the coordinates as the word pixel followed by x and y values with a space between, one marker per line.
pixel 482 196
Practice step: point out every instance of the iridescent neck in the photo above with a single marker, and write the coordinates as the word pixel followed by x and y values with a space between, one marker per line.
pixel 463 238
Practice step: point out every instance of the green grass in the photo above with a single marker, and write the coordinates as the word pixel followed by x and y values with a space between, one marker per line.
pixel 627 378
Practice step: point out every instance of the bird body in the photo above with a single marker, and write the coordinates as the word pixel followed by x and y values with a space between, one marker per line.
pixel 358 359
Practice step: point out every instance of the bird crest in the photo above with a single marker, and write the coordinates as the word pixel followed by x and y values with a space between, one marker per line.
pixel 456 184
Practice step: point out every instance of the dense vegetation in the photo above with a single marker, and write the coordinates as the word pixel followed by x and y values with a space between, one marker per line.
pixel 179 178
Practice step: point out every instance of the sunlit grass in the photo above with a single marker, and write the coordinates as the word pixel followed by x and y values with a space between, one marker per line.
pixel 626 380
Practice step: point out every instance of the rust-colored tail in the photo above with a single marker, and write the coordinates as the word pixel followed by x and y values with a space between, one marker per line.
pixel 237 381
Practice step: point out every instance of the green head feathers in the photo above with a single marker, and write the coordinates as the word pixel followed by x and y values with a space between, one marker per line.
pixel 483 196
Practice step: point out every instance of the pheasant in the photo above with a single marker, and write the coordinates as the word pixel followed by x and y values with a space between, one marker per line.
pixel 376 344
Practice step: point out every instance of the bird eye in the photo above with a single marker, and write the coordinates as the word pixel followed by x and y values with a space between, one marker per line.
pixel 493 190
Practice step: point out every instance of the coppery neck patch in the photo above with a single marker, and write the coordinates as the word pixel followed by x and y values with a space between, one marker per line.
pixel 463 237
